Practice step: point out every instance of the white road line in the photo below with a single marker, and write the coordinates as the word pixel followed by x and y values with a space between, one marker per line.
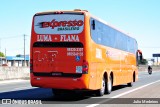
pixel 12 81
pixel 22 88
pixel 98 103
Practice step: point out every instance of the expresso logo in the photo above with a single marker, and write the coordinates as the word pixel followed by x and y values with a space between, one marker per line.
pixel 54 23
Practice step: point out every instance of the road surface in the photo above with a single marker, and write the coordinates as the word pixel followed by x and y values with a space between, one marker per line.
pixel 146 91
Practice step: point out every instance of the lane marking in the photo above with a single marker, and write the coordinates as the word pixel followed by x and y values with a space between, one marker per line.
pixel 119 95
pixel 12 81
pixel 22 88
pixel 135 89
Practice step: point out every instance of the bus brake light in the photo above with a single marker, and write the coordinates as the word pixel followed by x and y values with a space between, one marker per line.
pixel 85 67
pixel 58 12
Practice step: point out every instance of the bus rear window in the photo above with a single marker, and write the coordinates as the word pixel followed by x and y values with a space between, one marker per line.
pixel 59 24
pixel 57 44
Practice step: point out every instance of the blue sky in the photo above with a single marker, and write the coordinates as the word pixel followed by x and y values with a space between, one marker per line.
pixel 139 18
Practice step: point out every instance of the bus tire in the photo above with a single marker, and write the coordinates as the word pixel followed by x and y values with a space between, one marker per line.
pixel 56 92
pixel 101 91
pixel 130 84
pixel 109 86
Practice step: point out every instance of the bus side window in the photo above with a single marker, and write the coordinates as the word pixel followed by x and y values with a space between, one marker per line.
pixel 93 24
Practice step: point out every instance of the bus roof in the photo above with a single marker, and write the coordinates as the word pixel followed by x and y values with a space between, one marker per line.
pixel 79 11
pixel 62 11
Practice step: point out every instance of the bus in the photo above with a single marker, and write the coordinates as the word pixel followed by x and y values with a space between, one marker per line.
pixel 74 50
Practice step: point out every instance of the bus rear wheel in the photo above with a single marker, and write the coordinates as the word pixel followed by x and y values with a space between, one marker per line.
pixel 133 80
pixel 109 86
pixel 56 92
pixel 101 91
pixel 130 84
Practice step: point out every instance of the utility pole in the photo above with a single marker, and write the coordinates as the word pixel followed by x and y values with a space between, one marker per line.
pixel 24 51
pixel 5 52
pixel 6 56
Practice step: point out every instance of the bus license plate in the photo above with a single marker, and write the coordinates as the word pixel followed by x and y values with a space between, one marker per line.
pixel 78 69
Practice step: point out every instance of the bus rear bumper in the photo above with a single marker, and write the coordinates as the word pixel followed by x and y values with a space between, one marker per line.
pixel 59 82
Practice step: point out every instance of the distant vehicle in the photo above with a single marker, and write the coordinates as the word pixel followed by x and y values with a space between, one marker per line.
pixel 73 50
pixel 149 70
pixel 150 63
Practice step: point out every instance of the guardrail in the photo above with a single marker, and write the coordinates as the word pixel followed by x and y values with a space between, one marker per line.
pixel 7 73
pixel 145 68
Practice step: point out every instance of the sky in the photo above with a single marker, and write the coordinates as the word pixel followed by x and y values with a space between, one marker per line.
pixel 139 18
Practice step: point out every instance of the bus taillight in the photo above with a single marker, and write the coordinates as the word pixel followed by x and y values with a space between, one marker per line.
pixel 58 12
pixel 31 65
pixel 85 67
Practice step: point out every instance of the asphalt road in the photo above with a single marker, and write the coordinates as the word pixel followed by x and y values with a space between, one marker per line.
pixel 147 88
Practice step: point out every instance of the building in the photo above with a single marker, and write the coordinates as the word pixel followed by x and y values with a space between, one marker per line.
pixel 2 60
pixel 16 61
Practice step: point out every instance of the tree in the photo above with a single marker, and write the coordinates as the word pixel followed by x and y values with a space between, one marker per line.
pixel 143 62
pixel 19 55
pixel 2 54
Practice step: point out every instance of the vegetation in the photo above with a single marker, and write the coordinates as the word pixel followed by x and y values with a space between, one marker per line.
pixel 2 54
pixel 19 55
pixel 143 62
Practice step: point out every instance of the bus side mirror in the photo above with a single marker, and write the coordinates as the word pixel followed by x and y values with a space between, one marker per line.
pixel 93 24
pixel 139 57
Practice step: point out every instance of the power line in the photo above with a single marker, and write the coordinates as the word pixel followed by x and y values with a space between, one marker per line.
pixel 15 49
pixel 11 37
